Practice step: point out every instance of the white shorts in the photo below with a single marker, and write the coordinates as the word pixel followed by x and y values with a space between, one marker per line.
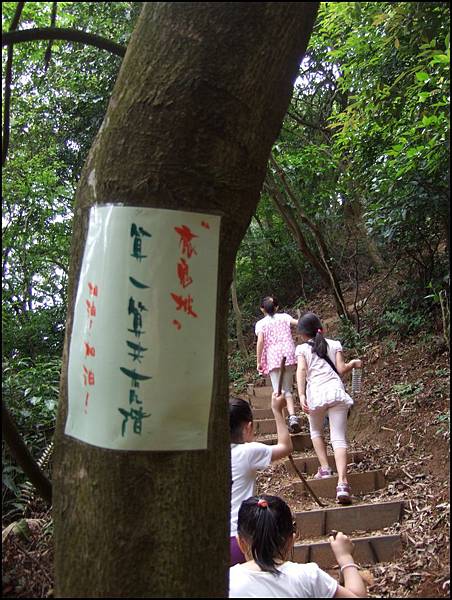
pixel 287 382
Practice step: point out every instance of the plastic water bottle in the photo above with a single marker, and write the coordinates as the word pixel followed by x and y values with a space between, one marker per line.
pixel 356 380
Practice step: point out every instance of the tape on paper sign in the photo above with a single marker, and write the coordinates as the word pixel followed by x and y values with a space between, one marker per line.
pixel 141 359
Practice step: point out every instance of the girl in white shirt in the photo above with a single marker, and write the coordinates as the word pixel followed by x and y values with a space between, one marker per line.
pixel 248 457
pixel 321 391
pixel 266 534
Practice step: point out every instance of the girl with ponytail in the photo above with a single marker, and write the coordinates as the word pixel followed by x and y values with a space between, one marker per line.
pixel 320 368
pixel 274 340
pixel 266 534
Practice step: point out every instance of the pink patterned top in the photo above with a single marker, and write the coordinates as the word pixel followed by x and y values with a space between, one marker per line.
pixel 278 341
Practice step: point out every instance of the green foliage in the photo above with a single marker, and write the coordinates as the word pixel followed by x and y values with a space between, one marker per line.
pixel 30 392
pixel 443 420
pixel 268 262
pixel 239 368
pixel 406 390
pixel 400 319
pixel 350 337
pixel 394 131
pixel 55 115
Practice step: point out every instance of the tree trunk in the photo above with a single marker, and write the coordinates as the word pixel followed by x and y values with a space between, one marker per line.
pixel 198 103
pixel 238 316
pixel 353 216
pixel 325 258
pixel 320 263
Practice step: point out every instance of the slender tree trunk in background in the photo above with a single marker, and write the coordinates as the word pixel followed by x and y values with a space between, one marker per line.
pixel 353 215
pixel 319 262
pixel 238 316
pixel 198 103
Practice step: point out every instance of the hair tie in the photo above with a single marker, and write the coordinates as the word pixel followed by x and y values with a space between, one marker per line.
pixel 262 503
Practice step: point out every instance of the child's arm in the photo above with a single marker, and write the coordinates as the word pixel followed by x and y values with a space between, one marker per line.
pixel 283 446
pixel 343 368
pixel 302 370
pixel 354 586
pixel 259 349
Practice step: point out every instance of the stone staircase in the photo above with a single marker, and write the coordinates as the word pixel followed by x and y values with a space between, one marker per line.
pixel 363 521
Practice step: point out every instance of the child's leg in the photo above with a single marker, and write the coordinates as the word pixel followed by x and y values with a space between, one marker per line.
pixel 274 378
pixel 316 431
pixel 338 427
pixel 287 388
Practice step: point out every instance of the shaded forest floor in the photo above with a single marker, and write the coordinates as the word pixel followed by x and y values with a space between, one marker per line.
pixel 400 421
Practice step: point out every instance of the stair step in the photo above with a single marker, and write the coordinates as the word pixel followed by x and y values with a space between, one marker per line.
pixel 260 392
pixel 259 402
pixel 348 519
pixel 361 483
pixel 264 426
pixel 262 413
pixel 300 441
pixel 368 550
pixel 310 464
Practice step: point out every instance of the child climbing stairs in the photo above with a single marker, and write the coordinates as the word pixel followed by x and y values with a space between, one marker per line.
pixel 363 520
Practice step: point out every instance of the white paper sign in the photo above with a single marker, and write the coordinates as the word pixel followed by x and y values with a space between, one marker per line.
pixel 141 356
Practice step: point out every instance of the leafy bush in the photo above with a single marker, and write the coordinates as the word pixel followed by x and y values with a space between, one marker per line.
pixel 405 390
pixel 30 392
pixel 350 337
pixel 401 319
pixel 238 368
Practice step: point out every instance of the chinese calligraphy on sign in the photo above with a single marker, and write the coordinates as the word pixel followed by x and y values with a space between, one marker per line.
pixel 141 355
pixel 90 351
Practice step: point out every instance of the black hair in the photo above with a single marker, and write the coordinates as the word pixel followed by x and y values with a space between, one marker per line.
pixel 265 523
pixel 239 414
pixel 269 304
pixel 310 325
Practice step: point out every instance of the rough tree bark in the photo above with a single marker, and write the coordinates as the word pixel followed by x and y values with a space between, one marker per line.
pixel 198 103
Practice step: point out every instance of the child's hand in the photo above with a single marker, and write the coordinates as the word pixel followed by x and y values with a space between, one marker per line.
pixel 342 547
pixel 259 367
pixel 357 363
pixel 278 402
pixel 304 404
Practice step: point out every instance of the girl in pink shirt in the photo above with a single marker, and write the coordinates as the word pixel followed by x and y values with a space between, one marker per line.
pixel 274 340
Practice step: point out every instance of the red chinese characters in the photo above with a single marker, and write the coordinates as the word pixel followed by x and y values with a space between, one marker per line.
pixel 90 351
pixel 186 236
pixel 182 273
pixel 185 302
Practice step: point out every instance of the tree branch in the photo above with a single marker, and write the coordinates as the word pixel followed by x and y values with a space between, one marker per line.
pixel 321 245
pixel 48 53
pixel 23 457
pixel 8 81
pixel 301 121
pixel 60 33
